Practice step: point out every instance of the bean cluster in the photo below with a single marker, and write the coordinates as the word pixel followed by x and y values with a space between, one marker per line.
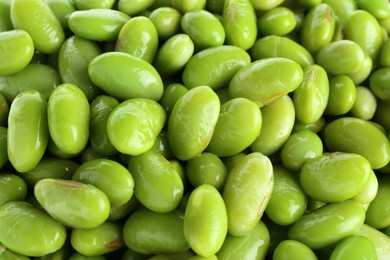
pixel 194 129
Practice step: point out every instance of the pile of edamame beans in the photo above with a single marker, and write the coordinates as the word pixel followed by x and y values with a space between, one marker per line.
pixel 194 129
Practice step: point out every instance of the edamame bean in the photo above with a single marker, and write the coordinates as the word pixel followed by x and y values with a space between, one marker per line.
pixel 288 200
pixel 253 245
pixel 27 134
pixel 358 136
pixel 192 122
pixel 292 249
pixel 378 81
pixel 265 5
pixel 173 55
pixel 264 80
pixel 63 199
pixel 234 133
pixel 99 240
pixel 364 29
pixel 311 96
pixel 171 94
pixel 346 173
pixel 17 49
pixel 247 192
pixel 276 126
pixel 185 6
pixel 279 46
pixel 148 232
pixel 134 7
pixel 3 147
pixel 50 167
pixel 138 37
pixel 69 133
pixel 206 168
pixel 214 67
pixel 343 9
pixel 377 215
pixel 307 4
pixel 91 4
pixel 341 57
pixel 299 148
pixel 378 239
pixel 342 95
pixel 134 125
pixel 383 108
pixel 40 77
pixel 157 184
pixel 73 59
pixel 97 24
pixel 365 104
pixel 62 9
pixel 318 28
pixel 7 254
pixel 277 21
pixel 384 57
pixel 364 72
pixel 109 176
pixel 29 231
pixel 39 21
pixel 4 110
pixel 124 76
pixel 240 23
pixel 369 190
pixel 205 220
pixel 5 16
pixel 353 247
pixel 100 109
pixel 204 29
pixel 12 188
pixel 328 224
pixel 166 20
pixel 316 127
pixel 378 8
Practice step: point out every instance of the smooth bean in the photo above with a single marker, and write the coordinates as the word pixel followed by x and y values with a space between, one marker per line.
pixel 12 188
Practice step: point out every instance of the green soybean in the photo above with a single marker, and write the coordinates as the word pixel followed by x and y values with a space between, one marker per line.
pixel 240 23
pixel 27 135
pixel 318 28
pixel 341 57
pixel 384 57
pixel 365 104
pixel 343 9
pixel 201 107
pixel 204 29
pixel 91 4
pixel 167 21
pixel 364 72
pixel 300 147
pixel 134 125
pixel 261 80
pixel 369 190
pixel 173 55
pixel 148 232
pixel 311 97
pixel 328 224
pixel 276 126
pixel 205 220
pixel 247 192
pixel 377 212
pixel 100 109
pixel 122 76
pixel 265 5
pixel 277 21
pixel 3 147
pixel 134 7
pixel 378 8
pixel 378 82
pixel 358 136
pixel 378 239
pixel 206 168
pixel 40 77
pixel 17 49
pixel 288 201
pixel 68 132
pixel 364 29
pixel 50 167
pixel 99 240
pixel 342 95
pixel 4 110
pixel 383 108
pixel 214 66
pixel 185 6
pixel 138 37
pixel 62 9
pixel 109 176
pixel 354 247
pixel 171 94
pixel 253 245
pixel 157 184
pixel 280 46
pixel 97 24
pixel 346 173
pixel 292 249
pixel 63 199
pixel 7 254
pixel 27 230
pixel 5 16
pixel 73 59
pixel 12 188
